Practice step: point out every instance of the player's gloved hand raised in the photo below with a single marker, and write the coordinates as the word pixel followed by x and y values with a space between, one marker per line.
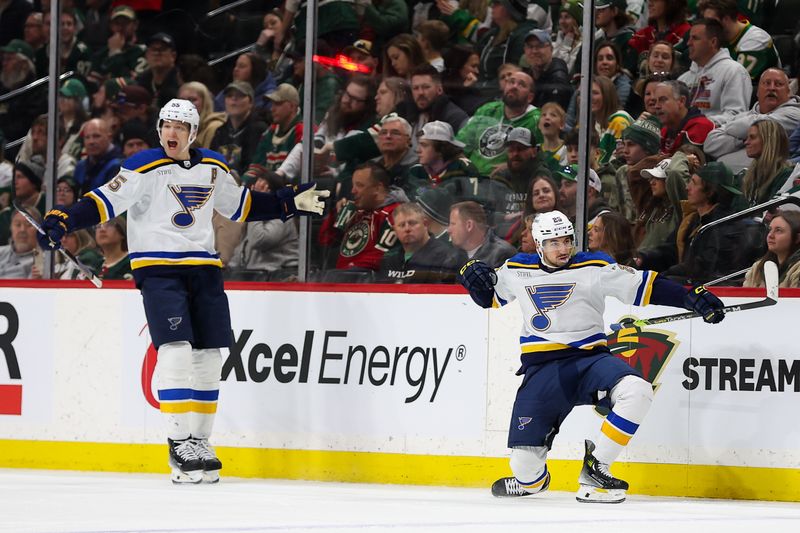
pixel 705 304
pixel 308 199
pixel 479 279
pixel 55 225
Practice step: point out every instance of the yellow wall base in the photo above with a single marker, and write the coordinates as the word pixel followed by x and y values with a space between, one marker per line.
pixel 776 484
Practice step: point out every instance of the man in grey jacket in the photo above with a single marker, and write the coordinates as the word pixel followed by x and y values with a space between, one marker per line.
pixel 726 143
pixel 16 258
pixel 720 87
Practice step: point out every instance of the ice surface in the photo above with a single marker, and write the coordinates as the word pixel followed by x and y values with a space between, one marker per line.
pixel 58 502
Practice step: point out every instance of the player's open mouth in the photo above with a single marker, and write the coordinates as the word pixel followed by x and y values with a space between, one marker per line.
pixel 172 144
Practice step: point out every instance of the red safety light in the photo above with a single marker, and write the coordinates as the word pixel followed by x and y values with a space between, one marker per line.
pixel 343 62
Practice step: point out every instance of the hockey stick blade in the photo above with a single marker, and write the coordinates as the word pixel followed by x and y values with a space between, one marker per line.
pixel 97 282
pixel 770 281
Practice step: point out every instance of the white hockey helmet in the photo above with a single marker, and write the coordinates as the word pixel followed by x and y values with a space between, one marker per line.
pixel 550 225
pixel 180 111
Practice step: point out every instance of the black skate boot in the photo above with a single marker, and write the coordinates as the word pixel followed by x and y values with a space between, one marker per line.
pixel 597 485
pixel 211 463
pixel 186 464
pixel 509 487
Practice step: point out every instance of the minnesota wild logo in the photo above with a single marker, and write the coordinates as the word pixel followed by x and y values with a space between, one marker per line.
pixel 648 351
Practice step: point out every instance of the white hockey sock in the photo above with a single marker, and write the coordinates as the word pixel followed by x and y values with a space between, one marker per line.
pixel 174 368
pixel 630 401
pixel 206 371
pixel 528 463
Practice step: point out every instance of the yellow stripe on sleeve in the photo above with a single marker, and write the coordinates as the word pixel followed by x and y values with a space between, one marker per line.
pixel 149 166
pixel 648 290
pixel 101 206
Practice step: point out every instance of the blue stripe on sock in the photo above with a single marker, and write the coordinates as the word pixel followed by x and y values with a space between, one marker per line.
pixel 205 395
pixel 620 423
pixel 174 394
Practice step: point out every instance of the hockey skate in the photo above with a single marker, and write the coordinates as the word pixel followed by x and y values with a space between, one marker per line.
pixel 597 485
pixel 509 487
pixel 186 464
pixel 211 463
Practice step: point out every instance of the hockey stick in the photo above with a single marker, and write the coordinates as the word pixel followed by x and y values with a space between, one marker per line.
pixel 97 282
pixel 726 278
pixel 770 281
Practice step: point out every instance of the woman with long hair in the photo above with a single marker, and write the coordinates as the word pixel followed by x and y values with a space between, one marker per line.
pixel 210 120
pixel 541 197
pixel 783 248
pixel 250 67
pixel 611 233
pixel 608 63
pixel 402 55
pixel 609 119
pixel 392 93
pixel 461 70
pixel 768 145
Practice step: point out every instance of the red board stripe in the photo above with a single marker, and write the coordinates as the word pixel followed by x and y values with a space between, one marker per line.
pixel 10 399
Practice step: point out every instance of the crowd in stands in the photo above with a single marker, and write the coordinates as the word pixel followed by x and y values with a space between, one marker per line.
pixel 441 127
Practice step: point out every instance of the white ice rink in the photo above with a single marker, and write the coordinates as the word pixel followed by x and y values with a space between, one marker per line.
pixel 45 501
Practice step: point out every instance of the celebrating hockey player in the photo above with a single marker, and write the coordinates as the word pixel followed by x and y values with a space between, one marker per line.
pixel 565 361
pixel 170 194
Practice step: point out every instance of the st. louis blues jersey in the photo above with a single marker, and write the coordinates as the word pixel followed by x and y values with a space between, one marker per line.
pixel 563 309
pixel 170 204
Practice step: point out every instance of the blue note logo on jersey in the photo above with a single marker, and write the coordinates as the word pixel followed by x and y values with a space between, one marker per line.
pixel 524 421
pixel 546 298
pixel 190 197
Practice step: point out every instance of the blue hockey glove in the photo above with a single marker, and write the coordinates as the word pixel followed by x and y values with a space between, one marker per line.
pixel 55 226
pixel 302 199
pixel 705 304
pixel 479 279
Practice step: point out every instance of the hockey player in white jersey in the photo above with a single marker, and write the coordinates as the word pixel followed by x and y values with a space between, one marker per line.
pixel 170 194
pixel 565 361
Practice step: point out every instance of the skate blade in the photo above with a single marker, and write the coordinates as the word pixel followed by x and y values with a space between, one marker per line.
pixel 590 494
pixel 211 476
pixel 179 477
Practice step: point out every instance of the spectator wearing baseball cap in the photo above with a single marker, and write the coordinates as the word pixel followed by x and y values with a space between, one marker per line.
pixel 238 137
pixel 659 205
pixel 17 114
pixel 121 55
pixel 718 251
pixel 281 136
pixel 614 25
pixel 568 193
pixel 161 75
pixel 442 163
pixel 361 52
pixel 522 164
pixel 72 106
pixel 550 73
